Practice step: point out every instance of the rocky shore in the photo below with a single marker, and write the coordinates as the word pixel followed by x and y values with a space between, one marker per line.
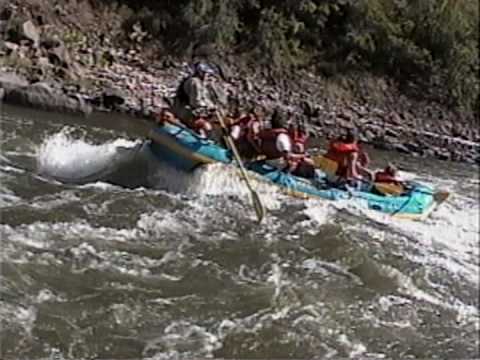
pixel 39 69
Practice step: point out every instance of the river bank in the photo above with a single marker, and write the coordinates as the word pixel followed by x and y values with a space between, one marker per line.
pixel 77 74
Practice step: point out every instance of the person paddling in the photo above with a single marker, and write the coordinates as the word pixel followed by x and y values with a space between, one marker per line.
pixel 275 143
pixel 300 163
pixel 278 143
pixel 193 102
pixel 351 160
pixel 389 175
pixel 245 132
pixel 388 182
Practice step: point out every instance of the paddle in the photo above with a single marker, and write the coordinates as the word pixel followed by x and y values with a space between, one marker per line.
pixel 257 203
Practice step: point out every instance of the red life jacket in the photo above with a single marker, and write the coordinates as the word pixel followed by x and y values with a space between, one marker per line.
pixel 246 124
pixel 339 152
pixel 384 177
pixel 299 138
pixel 268 142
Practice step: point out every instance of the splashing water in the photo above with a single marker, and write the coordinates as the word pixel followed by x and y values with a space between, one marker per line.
pixel 63 156
pixel 180 269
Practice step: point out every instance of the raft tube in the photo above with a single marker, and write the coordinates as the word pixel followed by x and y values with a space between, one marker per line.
pixel 183 149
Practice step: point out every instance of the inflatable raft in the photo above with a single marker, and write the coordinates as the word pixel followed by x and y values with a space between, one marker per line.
pixel 183 149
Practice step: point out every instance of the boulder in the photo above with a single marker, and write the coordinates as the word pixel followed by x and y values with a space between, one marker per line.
pixel 401 148
pixel 50 42
pixel 111 98
pixel 59 56
pixel 8 47
pixel 30 32
pixel 9 81
pixel 44 96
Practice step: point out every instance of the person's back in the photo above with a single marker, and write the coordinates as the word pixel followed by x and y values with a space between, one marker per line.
pixel 299 138
pixel 388 175
pixel 342 151
pixel 245 132
pixel 275 142
pixel 351 161
pixel 387 181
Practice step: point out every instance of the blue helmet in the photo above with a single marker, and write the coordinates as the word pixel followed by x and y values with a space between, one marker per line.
pixel 204 68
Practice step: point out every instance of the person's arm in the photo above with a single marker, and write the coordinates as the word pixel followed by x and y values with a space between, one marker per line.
pixel 352 166
pixel 235 132
pixel 284 145
pixel 358 170
pixel 363 158
pixel 253 138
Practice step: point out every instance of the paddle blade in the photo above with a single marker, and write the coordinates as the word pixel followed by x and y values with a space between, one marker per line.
pixel 258 206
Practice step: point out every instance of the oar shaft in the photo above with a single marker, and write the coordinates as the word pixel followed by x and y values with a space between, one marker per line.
pixel 258 206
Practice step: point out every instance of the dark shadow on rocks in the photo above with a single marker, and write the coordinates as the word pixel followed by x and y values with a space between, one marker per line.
pixel 44 96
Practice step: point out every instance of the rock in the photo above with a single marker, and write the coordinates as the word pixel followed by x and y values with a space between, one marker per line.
pixel 394 118
pixel 401 148
pixel 51 42
pixel 10 47
pixel 392 133
pixel 369 135
pixel 30 32
pixel 59 56
pixel 112 97
pixel 44 96
pixel 382 144
pixel 344 124
pixel 6 13
pixel 43 63
pixel 347 115
pixel 9 81
pixel 442 155
pixel 224 71
pixel 307 108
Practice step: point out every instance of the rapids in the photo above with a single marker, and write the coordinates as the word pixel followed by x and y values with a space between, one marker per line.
pixel 108 254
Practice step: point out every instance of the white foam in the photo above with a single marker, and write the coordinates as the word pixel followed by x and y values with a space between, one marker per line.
pixel 62 155
pixel 225 180
pixel 182 339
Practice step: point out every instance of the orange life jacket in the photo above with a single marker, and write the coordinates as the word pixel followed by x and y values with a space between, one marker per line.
pixel 339 151
pixel 268 142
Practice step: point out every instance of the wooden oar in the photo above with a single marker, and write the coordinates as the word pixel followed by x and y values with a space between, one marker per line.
pixel 257 203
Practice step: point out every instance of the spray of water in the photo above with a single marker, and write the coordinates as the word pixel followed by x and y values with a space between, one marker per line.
pixel 63 156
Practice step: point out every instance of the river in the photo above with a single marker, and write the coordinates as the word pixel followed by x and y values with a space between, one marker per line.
pixel 139 261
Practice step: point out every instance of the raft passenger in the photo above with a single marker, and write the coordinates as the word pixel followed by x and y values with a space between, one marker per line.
pixel 351 161
pixel 194 102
